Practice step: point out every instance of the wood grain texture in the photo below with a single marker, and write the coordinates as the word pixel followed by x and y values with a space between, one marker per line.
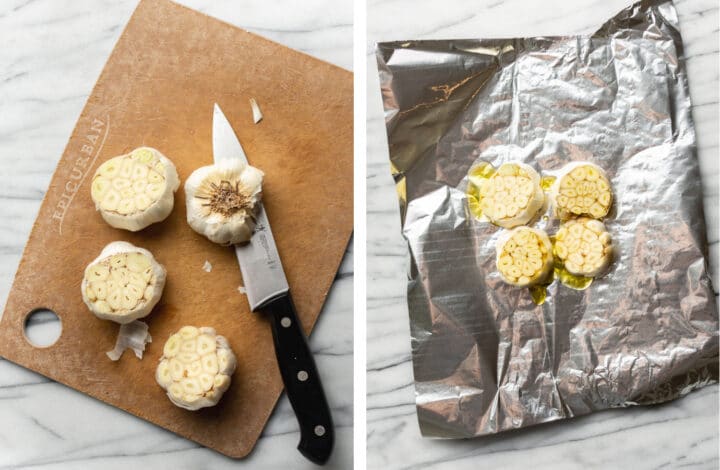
pixel 157 89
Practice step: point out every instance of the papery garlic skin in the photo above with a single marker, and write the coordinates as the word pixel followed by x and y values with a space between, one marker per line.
pixel 524 256
pixel 123 284
pixel 512 195
pixel 584 246
pixel 257 114
pixel 135 190
pixel 582 189
pixel 195 367
pixel 221 201
pixel 134 336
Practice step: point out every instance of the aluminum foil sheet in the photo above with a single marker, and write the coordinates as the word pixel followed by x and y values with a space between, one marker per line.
pixel 486 357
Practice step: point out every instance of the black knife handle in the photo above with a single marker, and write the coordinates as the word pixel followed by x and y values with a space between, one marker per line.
pixel 302 382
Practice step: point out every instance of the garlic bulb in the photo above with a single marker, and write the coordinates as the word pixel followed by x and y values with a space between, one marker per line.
pixel 512 195
pixel 221 201
pixel 584 246
pixel 195 367
pixel 524 256
pixel 582 189
pixel 135 190
pixel 123 284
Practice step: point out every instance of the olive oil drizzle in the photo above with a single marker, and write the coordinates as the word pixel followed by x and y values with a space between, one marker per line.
pixel 482 171
pixel 546 182
pixel 538 292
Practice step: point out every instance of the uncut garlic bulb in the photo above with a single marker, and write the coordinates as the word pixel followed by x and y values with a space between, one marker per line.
pixel 524 256
pixel 221 200
pixel 512 195
pixel 582 188
pixel 135 190
pixel 584 246
pixel 123 284
pixel 195 367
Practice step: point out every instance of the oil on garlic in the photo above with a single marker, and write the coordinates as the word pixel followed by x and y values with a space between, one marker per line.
pixel 524 256
pixel 511 196
pixel 582 189
pixel 584 246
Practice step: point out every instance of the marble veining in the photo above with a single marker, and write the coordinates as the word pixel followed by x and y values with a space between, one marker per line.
pixel 51 54
pixel 680 434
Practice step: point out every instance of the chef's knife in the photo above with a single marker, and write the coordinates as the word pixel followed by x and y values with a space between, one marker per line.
pixel 268 292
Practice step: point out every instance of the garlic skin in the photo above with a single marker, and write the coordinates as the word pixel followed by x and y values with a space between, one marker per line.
pixel 134 336
pixel 512 195
pixel 584 246
pixel 135 190
pixel 195 367
pixel 221 201
pixel 524 256
pixel 123 284
pixel 582 189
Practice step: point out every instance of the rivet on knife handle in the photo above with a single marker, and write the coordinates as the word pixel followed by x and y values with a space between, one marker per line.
pixel 302 382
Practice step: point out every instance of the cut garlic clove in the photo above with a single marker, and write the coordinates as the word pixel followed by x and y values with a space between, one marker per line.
pixel 194 369
pixel 206 381
pixel 512 195
pixel 172 346
pixel 112 287
pixel 188 357
pixel 135 190
pixel 188 345
pixel 584 246
pixel 524 256
pixel 205 344
pixel 189 368
pixel 162 375
pixel 99 289
pixel 582 189
pixel 188 332
pixel 221 200
pixel 210 363
pixel 177 369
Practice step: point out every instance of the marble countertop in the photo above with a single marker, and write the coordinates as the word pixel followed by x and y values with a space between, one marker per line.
pixel 51 54
pixel 680 434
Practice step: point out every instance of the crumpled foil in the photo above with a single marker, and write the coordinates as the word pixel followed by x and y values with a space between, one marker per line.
pixel 486 357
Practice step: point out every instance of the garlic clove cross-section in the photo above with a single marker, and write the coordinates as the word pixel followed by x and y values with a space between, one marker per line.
pixel 195 367
pixel 135 190
pixel 221 201
pixel 584 246
pixel 582 189
pixel 512 195
pixel 123 284
pixel 524 256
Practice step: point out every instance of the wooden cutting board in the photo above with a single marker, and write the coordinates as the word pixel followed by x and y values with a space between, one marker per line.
pixel 157 89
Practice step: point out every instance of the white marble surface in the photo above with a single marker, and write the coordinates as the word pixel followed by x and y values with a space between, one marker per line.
pixel 51 53
pixel 681 434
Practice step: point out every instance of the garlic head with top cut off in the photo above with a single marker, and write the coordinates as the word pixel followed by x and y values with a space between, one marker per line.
pixel 195 367
pixel 584 246
pixel 135 190
pixel 123 284
pixel 524 256
pixel 221 201
pixel 512 195
pixel 582 189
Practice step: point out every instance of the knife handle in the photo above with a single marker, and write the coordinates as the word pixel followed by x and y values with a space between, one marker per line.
pixel 302 382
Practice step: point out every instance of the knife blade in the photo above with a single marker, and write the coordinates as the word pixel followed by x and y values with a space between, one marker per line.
pixel 259 260
pixel 268 292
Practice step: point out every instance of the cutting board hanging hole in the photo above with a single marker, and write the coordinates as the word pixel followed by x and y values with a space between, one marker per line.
pixel 42 327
